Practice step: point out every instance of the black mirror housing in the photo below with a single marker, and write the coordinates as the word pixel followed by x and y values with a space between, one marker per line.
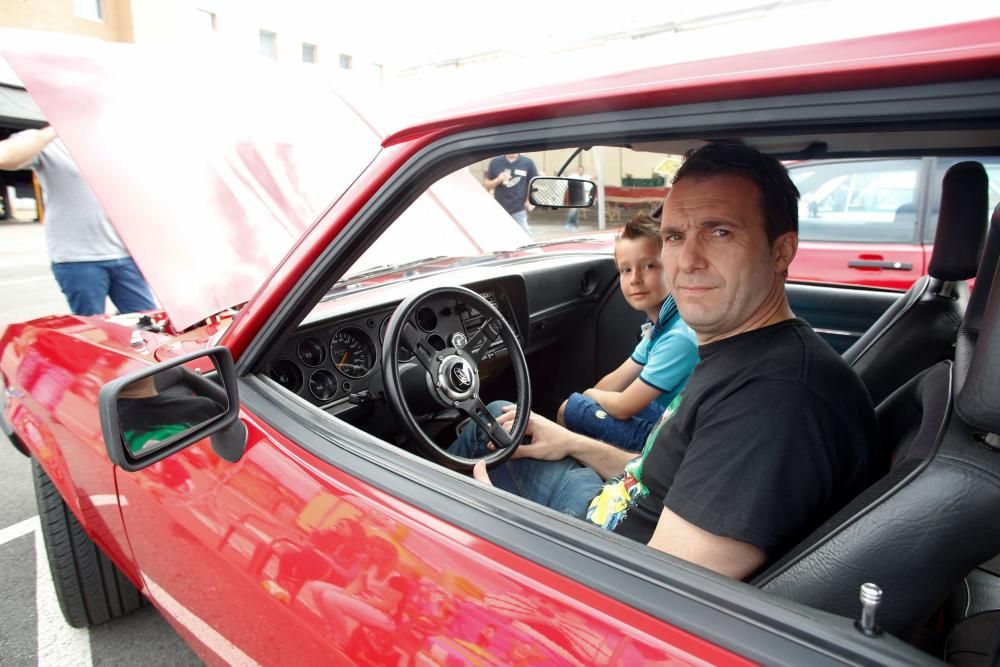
pixel 127 405
pixel 561 192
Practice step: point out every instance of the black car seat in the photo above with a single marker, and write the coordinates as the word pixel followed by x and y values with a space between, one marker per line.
pixel 931 519
pixel 974 636
pixel 919 329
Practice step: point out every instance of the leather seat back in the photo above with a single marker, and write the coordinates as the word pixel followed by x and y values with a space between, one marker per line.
pixel 919 329
pixel 931 519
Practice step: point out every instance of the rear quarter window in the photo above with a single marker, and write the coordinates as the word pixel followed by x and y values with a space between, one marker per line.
pixel 870 201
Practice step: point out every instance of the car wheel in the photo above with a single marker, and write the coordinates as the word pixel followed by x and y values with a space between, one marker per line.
pixel 90 588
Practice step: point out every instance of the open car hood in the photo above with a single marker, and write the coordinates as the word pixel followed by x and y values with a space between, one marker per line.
pixel 211 168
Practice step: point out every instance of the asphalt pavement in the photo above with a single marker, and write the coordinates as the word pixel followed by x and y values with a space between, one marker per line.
pixel 32 630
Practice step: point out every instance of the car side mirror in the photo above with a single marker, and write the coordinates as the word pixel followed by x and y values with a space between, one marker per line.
pixel 148 415
pixel 559 192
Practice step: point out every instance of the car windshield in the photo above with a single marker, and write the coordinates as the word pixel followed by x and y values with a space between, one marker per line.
pixel 471 216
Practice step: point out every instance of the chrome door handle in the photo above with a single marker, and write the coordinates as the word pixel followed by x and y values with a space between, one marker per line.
pixel 879 264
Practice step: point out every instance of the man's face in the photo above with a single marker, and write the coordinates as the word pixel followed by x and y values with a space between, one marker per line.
pixel 725 276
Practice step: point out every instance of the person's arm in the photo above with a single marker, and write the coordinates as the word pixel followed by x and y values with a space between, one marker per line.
pixel 625 404
pixel 667 367
pixel 552 442
pixel 499 178
pixel 621 377
pixel 18 150
pixel 724 555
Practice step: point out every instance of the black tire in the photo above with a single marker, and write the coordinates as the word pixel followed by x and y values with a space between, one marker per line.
pixel 90 588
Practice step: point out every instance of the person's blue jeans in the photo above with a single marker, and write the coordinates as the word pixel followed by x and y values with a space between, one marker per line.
pixel 521 218
pixel 573 219
pixel 88 284
pixel 584 415
pixel 564 486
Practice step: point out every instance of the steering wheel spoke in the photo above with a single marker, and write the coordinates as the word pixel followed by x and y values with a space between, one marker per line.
pixel 415 343
pixel 483 338
pixel 476 410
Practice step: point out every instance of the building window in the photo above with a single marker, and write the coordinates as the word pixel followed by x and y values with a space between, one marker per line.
pixel 345 61
pixel 268 44
pixel 308 52
pixel 89 9
pixel 205 21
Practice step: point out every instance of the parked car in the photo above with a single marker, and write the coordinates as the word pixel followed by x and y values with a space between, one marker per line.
pixel 872 221
pixel 312 268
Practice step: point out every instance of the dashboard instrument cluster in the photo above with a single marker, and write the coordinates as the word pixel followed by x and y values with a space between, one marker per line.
pixel 339 360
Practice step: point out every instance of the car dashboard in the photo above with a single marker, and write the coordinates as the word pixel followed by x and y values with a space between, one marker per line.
pixel 334 359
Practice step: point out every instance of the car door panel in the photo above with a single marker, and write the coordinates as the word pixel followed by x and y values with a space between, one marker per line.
pixel 840 315
pixel 286 558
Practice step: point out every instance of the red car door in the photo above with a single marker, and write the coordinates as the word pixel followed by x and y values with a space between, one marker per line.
pixel 283 558
pixel 858 222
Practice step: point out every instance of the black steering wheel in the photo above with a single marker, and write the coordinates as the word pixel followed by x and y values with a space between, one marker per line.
pixel 430 327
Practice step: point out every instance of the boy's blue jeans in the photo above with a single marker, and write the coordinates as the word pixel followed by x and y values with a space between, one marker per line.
pixel 88 284
pixel 564 486
pixel 584 415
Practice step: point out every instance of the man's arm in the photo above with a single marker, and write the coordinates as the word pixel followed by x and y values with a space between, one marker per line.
pixel 495 176
pixel 625 404
pixel 552 442
pixel 724 555
pixel 18 150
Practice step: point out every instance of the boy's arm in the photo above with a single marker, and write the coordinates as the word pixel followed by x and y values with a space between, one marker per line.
pixel 628 403
pixel 18 150
pixel 621 377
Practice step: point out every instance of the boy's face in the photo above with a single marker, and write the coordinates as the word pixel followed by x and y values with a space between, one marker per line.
pixel 640 273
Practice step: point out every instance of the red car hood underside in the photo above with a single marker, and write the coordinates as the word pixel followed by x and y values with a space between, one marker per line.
pixel 211 168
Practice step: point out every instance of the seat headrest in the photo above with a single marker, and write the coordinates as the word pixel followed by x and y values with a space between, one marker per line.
pixel 978 402
pixel 961 223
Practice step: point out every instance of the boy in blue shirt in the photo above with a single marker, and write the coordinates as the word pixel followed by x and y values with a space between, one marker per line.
pixel 622 408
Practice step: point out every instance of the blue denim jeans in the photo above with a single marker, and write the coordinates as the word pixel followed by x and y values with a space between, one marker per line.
pixel 88 284
pixel 564 486
pixel 584 415
pixel 573 219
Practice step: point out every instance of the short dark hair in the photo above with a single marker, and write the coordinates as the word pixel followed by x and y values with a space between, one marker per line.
pixel 642 226
pixel 779 198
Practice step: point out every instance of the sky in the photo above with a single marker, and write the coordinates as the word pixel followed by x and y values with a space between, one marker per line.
pixel 441 29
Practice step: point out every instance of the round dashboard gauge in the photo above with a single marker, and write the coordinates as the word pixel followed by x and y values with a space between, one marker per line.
pixel 286 374
pixel 311 351
pixel 352 352
pixel 323 385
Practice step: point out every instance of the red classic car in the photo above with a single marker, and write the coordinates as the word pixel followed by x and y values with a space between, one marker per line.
pixel 303 508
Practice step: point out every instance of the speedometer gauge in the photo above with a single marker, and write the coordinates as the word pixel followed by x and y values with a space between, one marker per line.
pixel 352 352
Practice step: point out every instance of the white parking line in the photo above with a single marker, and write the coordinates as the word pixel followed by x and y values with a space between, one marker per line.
pixel 19 529
pixel 58 643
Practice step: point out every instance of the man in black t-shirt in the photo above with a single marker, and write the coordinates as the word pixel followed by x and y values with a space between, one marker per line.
pixel 508 176
pixel 773 433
